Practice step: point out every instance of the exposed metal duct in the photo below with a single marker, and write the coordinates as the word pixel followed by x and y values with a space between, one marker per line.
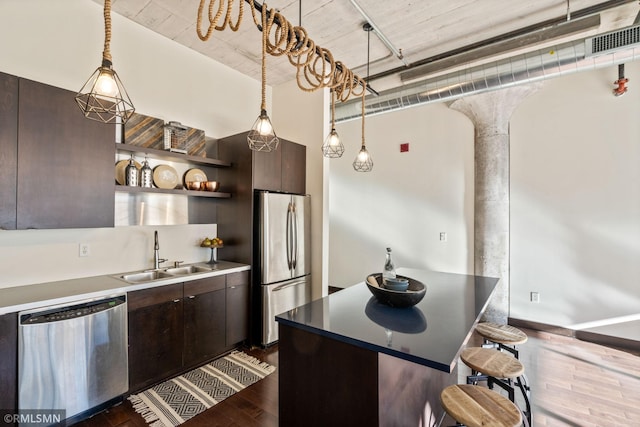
pixel 534 66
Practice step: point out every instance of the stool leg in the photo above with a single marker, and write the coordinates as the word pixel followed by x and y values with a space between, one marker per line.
pixel 513 350
pixel 521 382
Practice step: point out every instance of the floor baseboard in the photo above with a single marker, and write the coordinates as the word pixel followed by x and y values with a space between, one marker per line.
pixel 596 338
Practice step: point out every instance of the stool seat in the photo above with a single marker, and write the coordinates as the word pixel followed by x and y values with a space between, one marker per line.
pixel 492 362
pixel 476 406
pixel 501 334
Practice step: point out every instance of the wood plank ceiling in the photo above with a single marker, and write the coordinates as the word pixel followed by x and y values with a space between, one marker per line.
pixel 421 28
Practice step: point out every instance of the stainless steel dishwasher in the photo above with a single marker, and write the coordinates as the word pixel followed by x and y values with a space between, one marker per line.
pixel 73 356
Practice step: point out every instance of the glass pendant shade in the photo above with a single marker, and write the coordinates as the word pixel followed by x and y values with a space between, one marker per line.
pixel 262 137
pixel 332 147
pixel 103 97
pixel 363 161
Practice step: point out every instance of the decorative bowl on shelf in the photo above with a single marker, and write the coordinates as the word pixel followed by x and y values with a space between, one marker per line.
pixel 194 185
pixel 211 185
pixel 407 298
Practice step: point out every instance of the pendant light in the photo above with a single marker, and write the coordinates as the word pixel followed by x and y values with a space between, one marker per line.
pixel 262 137
pixel 333 147
pixel 103 97
pixel 363 161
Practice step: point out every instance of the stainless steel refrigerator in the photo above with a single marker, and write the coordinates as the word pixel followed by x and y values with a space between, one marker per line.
pixel 284 256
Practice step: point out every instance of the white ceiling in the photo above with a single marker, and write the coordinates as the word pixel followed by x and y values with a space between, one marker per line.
pixel 421 28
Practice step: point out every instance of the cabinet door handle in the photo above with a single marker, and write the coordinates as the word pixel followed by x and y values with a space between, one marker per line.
pixel 176 300
pixel 191 296
pixel 232 287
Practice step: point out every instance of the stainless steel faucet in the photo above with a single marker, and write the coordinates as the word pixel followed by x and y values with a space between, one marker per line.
pixel 156 252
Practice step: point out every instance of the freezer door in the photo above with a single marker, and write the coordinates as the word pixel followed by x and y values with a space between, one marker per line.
pixel 301 238
pixel 277 299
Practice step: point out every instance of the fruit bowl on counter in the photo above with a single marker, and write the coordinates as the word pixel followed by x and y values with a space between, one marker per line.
pixel 212 244
pixel 409 297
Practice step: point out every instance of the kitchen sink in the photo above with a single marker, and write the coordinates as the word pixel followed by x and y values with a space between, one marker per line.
pixel 145 276
pixel 187 269
pixel 151 275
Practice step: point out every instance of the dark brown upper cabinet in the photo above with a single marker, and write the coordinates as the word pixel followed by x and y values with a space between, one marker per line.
pixel 281 170
pixel 65 163
pixel 294 167
pixel 8 150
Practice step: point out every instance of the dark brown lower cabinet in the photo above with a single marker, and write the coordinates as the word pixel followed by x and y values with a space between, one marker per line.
pixel 204 319
pixel 155 334
pixel 177 327
pixel 237 307
pixel 9 362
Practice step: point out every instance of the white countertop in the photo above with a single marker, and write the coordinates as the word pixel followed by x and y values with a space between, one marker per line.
pixel 28 297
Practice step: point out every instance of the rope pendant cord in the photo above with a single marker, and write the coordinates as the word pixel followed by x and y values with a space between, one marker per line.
pixel 363 96
pixel 265 35
pixel 333 109
pixel 106 53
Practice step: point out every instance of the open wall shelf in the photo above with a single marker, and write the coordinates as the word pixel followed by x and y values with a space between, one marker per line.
pixel 170 156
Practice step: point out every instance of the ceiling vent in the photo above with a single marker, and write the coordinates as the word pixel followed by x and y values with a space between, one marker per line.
pixel 615 40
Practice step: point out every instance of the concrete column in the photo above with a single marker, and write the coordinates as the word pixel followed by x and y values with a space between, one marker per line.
pixel 490 113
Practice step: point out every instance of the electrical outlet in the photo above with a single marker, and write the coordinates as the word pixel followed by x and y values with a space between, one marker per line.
pixel 84 249
pixel 443 236
pixel 535 297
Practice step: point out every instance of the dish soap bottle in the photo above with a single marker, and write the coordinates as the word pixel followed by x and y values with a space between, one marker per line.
pixel 389 271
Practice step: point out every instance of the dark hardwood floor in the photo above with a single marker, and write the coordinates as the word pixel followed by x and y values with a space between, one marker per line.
pixel 574 383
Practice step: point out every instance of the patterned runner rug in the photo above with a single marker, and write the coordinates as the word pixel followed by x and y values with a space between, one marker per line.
pixel 175 401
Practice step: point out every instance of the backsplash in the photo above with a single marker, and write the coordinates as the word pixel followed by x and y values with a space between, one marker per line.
pixel 37 256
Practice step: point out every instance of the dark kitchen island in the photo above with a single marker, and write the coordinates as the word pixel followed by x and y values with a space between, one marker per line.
pixel 347 360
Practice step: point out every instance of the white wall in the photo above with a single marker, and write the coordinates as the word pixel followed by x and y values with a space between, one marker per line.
pixel 300 117
pixel 60 43
pixel 408 198
pixel 575 200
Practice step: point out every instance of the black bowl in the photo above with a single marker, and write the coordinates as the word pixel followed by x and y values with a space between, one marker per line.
pixel 398 299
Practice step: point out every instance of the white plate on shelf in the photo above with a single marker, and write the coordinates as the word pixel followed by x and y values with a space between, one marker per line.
pixel 195 175
pixel 164 176
pixel 120 167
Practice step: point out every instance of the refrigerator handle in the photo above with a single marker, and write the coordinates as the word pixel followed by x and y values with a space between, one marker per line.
pixel 288 236
pixel 295 236
pixel 289 285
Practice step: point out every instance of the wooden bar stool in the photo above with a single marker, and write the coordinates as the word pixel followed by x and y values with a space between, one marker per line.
pixel 476 406
pixel 499 368
pixel 505 337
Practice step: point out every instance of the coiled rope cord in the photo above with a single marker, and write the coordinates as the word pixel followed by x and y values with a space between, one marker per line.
pixel 315 66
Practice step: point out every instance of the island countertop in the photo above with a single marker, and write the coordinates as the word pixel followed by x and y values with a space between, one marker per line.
pixel 432 333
